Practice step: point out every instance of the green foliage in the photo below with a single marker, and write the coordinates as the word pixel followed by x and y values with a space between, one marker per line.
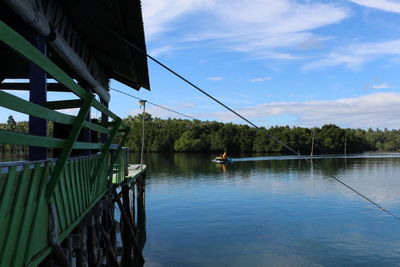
pixel 188 142
pixel 177 135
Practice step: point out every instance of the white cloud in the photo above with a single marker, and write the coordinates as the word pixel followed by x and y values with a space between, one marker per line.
pixel 161 50
pixel 215 78
pixel 354 56
pixel 373 110
pixel 258 27
pixel 159 15
pixel 386 5
pixel 260 79
pixel 381 86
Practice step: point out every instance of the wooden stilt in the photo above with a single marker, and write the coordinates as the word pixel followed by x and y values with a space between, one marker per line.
pixel 133 211
pixel 125 217
pixel 141 212
pixel 49 262
pixel 126 238
pixel 59 255
pixel 91 246
pixel 113 257
pixel 81 250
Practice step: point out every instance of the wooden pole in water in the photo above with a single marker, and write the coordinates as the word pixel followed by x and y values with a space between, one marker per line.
pixel 131 231
pixel 126 238
pixel 112 254
pixel 141 212
pixel 312 143
pixel 91 245
pixel 133 210
pixel 142 103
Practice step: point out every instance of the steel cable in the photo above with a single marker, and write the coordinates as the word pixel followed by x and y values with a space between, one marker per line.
pixel 254 125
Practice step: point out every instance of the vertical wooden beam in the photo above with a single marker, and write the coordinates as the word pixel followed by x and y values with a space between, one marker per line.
pixel 138 252
pixel 104 119
pixel 133 198
pixel 113 227
pixel 86 133
pixel 37 95
pixel 126 238
pixel 91 245
pixel 141 211
pixel 81 250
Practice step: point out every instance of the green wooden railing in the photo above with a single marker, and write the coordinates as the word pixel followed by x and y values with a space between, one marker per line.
pixel 72 185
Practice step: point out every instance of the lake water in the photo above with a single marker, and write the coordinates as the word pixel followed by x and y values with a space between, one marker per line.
pixel 276 212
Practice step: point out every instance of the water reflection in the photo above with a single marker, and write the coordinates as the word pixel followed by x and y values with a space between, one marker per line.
pixel 270 212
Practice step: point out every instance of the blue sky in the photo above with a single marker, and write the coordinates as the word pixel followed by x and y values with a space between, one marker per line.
pixel 304 63
pixel 287 62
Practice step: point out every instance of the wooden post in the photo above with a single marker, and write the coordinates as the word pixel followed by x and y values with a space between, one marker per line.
pixel 81 250
pixel 104 119
pixel 91 245
pixel 113 229
pixel 133 211
pixel 86 133
pixel 111 251
pixel 141 212
pixel 312 143
pixel 126 238
pixel 37 95
pixel 125 218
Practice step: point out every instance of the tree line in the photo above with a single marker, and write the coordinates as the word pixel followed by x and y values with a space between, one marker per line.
pixel 179 135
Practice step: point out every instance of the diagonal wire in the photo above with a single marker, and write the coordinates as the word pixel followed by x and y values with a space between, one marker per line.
pixel 252 124
pixel 154 104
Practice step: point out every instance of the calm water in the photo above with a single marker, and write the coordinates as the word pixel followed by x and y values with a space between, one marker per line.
pixel 276 212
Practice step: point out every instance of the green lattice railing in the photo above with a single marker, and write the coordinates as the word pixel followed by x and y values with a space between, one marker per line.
pixel 72 185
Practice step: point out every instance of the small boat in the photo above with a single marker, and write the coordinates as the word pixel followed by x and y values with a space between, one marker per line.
pixel 222 160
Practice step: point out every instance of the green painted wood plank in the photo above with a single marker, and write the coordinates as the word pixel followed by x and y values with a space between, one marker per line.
pixel 64 104
pixel 20 105
pixel 69 144
pixel 27 218
pixel 78 184
pixel 71 177
pixel 96 127
pixel 116 155
pixel 106 149
pixel 70 192
pixel 67 213
pixel 85 145
pixel 59 201
pixel 69 189
pixel 15 218
pixel 7 199
pixel 38 203
pixel 85 181
pixel 39 257
pixel 12 138
pixel 90 171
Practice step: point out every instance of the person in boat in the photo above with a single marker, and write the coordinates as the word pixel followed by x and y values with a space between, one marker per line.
pixel 225 155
